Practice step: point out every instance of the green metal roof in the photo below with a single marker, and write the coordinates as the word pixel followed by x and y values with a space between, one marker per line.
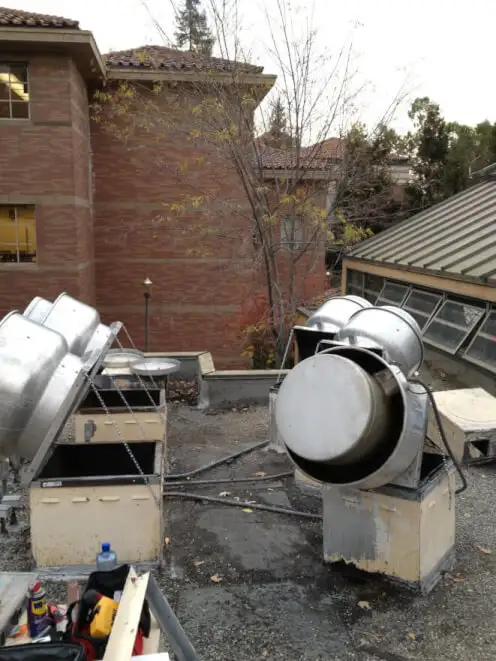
pixel 456 238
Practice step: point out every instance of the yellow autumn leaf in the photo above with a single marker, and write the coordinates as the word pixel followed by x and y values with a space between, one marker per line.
pixel 216 578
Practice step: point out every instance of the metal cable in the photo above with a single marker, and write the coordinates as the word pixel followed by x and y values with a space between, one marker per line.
pixel 440 427
pixel 240 503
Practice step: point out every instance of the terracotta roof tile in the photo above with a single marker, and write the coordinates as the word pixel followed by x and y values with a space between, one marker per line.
pixel 281 159
pixel 170 59
pixel 16 18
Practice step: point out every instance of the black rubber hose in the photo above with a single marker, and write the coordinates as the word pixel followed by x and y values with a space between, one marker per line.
pixel 440 427
pixel 234 480
pixel 239 503
pixel 218 462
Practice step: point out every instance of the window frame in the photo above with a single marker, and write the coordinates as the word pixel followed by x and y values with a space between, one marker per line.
pixel 387 282
pixel 366 290
pixel 18 262
pixel 361 274
pixel 470 328
pixel 441 298
pixel 299 241
pixel 491 309
pixel 25 64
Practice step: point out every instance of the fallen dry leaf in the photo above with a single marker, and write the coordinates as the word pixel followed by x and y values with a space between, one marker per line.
pixel 224 493
pixel 199 563
pixel 411 636
pixel 216 578
pixel 259 474
pixel 365 605
pixel 483 549
pixel 247 510
pixel 167 540
pixel 454 579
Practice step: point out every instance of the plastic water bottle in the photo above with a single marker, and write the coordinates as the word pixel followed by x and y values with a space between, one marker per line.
pixel 106 560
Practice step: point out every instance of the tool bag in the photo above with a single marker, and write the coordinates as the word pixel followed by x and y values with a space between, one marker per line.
pixel 43 652
pixel 106 583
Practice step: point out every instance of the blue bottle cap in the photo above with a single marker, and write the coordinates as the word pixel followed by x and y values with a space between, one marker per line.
pixel 105 547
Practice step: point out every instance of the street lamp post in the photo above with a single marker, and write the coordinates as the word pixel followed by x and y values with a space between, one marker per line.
pixel 147 285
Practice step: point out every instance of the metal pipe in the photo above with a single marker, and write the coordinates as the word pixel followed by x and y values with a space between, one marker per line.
pixel 147 319
pixel 239 503
pixel 234 480
pixel 218 462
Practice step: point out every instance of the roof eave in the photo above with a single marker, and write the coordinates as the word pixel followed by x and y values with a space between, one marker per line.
pixel 223 78
pixel 287 173
pixel 458 277
pixel 80 44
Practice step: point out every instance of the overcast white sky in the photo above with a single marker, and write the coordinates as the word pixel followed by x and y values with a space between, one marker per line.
pixel 444 47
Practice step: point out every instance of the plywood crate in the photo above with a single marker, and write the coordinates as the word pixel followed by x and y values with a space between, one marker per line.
pixel 92 493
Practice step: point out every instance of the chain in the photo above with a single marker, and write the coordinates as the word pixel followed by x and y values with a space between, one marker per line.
pixel 141 382
pixel 119 434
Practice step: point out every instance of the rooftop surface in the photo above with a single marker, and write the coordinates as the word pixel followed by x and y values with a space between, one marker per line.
pixel 252 586
pixel 455 238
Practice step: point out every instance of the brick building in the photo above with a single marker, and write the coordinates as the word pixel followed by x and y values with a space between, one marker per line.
pixel 82 212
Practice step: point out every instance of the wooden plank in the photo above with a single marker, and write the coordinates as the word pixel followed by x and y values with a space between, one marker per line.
pixel 13 590
pixel 121 641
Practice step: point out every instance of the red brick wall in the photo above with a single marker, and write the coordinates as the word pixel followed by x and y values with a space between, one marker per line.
pixel 200 260
pixel 44 161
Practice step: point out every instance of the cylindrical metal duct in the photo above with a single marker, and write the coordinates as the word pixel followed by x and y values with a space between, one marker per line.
pixel 335 312
pixel 392 330
pixel 31 356
pixel 344 417
pixel 77 322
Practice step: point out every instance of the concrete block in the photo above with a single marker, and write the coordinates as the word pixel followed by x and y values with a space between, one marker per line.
pixel 467 415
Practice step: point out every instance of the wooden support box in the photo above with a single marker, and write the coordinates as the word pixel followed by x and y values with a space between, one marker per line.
pixel 407 535
pixel 92 493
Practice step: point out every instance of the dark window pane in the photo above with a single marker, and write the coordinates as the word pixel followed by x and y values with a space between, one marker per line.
pixel 373 283
pixel 421 301
pixel 20 110
pixel 461 314
pixel 483 348
pixel 355 278
pixel 353 289
pixel 392 294
pixel 444 336
pixel 4 110
pixel 19 73
pixel 4 89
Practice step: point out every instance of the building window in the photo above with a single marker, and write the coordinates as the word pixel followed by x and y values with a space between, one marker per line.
pixel 452 324
pixel 372 287
pixel 17 234
pixel 292 232
pixel 421 305
pixel 392 294
pixel 482 349
pixel 354 282
pixel 14 92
